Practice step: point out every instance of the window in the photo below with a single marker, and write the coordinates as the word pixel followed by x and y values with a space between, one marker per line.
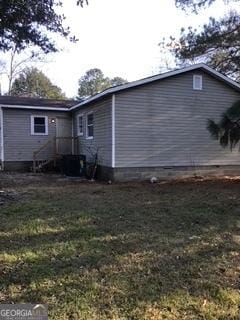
pixel 90 126
pixel 197 82
pixel 39 125
pixel 80 125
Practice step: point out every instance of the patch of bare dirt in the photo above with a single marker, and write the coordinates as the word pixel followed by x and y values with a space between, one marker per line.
pixel 15 179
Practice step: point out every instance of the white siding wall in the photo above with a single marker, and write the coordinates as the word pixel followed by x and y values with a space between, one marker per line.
pixel 164 123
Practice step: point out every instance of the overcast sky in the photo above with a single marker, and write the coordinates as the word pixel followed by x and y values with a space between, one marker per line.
pixel 120 37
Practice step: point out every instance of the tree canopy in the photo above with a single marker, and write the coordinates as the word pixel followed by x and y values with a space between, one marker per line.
pixel 94 81
pixel 116 81
pixel 34 83
pixel 216 43
pixel 227 130
pixel 193 4
pixel 28 22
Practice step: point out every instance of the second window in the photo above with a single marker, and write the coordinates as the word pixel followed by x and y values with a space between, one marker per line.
pixel 90 126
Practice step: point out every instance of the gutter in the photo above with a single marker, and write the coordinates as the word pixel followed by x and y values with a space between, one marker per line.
pixel 114 90
pixel 34 108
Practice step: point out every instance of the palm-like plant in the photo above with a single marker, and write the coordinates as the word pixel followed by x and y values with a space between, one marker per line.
pixel 227 130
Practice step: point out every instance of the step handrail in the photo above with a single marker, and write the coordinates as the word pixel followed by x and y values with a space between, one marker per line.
pixel 35 153
pixel 55 154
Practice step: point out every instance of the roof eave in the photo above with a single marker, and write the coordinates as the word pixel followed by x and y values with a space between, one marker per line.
pixel 10 106
pixel 156 78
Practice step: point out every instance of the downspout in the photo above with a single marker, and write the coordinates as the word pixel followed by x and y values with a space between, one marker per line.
pixel 2 142
pixel 113 131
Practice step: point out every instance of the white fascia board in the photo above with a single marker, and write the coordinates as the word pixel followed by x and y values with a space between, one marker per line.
pixel 158 77
pixel 33 107
pixel 221 76
pixel 135 84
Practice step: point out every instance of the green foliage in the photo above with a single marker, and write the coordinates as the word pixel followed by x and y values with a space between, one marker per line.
pixel 234 110
pixel 94 81
pixel 213 128
pixel 227 130
pixel 34 83
pixel 217 43
pixel 193 4
pixel 117 81
pixel 28 22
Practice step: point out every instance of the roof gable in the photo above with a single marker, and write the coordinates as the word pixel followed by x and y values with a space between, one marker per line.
pixel 71 105
pixel 200 66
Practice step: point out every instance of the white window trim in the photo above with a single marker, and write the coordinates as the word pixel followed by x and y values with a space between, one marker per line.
pixel 78 131
pixel 195 77
pixel 87 136
pixel 32 125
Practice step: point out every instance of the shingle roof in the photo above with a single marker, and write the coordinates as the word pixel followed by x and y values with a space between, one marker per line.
pixel 37 102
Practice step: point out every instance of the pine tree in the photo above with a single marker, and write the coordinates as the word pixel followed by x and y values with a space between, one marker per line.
pixel 217 43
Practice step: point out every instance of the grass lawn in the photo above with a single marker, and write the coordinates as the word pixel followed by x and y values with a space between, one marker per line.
pixel 122 251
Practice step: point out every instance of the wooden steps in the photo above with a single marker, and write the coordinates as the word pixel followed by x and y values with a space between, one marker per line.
pixel 51 151
pixel 45 155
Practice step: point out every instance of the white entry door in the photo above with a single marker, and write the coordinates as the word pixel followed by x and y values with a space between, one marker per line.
pixel 64 136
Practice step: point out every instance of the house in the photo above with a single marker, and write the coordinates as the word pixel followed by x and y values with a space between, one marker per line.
pixel 151 127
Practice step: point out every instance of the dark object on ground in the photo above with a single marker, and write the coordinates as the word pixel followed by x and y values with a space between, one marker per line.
pixel 73 165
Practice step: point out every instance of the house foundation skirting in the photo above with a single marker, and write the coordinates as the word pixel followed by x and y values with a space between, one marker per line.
pixel 21 166
pixel 144 173
pixel 165 173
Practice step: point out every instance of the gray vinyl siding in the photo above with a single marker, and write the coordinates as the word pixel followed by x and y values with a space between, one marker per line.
pixel 19 144
pixel 1 146
pixel 164 123
pixel 102 140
